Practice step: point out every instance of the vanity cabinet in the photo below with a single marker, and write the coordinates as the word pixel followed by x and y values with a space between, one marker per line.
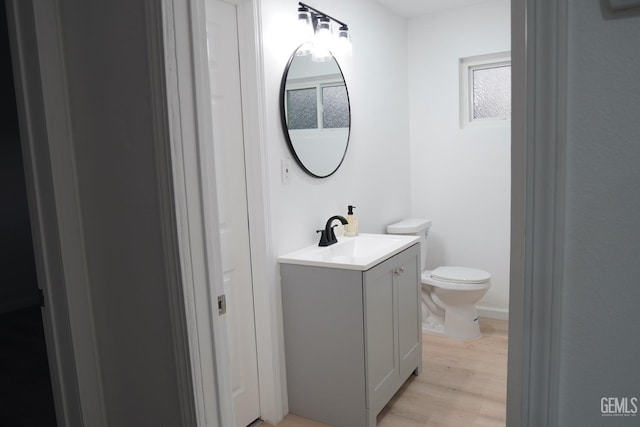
pixel 352 338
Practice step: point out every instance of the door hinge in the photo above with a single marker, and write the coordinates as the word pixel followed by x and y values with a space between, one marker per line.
pixel 222 305
pixel 41 297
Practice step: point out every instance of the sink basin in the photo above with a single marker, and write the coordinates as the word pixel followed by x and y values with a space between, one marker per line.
pixel 358 247
pixel 353 253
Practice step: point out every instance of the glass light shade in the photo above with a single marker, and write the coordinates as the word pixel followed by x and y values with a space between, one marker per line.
pixel 324 36
pixel 344 47
pixel 305 25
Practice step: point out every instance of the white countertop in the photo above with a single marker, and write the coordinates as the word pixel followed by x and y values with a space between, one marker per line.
pixel 351 253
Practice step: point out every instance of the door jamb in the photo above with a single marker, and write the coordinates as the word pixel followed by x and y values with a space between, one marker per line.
pixel 264 270
pixel 54 206
pixel 539 60
pixel 180 122
pixel 189 112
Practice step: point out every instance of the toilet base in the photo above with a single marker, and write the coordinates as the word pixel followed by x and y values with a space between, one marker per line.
pixel 433 328
pixel 461 322
pixel 432 315
pixel 450 320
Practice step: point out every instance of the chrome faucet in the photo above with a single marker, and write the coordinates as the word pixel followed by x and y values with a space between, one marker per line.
pixel 327 236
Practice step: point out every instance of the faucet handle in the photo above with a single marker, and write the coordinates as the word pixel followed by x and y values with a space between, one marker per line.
pixel 324 241
pixel 332 234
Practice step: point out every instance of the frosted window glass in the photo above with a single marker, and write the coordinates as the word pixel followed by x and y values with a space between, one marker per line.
pixel 302 109
pixel 492 92
pixel 335 104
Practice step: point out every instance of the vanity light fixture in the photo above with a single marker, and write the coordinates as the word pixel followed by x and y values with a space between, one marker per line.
pixel 316 30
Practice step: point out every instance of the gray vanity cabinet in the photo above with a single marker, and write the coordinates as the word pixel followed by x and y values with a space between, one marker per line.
pixel 352 337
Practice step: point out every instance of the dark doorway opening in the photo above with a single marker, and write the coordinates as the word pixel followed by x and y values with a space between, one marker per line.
pixel 26 397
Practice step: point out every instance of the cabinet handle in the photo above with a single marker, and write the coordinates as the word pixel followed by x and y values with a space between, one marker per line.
pixel 399 271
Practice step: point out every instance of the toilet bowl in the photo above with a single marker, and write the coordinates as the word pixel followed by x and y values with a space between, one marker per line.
pixel 456 290
pixel 449 293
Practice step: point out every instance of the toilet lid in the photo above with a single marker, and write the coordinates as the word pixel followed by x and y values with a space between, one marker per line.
pixel 460 275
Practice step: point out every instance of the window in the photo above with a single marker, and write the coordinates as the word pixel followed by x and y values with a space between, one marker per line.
pixel 485 90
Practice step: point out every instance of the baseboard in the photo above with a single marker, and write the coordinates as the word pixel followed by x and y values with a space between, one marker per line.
pixel 493 313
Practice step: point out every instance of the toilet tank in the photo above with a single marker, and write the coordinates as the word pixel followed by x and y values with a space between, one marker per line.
pixel 414 227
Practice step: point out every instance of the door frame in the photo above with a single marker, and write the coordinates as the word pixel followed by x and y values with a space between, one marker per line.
pixel 54 210
pixel 538 141
pixel 176 47
pixel 538 144
pixel 266 297
pixel 191 158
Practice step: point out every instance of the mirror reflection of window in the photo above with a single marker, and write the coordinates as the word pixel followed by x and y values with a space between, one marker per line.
pixel 302 108
pixel 325 106
pixel 335 107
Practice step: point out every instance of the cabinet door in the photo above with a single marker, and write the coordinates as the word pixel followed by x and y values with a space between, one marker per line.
pixel 409 334
pixel 393 339
pixel 380 334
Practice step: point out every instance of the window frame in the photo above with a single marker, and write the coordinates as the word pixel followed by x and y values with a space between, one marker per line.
pixel 467 66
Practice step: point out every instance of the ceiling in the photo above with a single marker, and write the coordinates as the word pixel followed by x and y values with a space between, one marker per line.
pixel 414 8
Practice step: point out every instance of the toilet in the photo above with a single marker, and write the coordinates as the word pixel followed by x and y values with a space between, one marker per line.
pixel 449 293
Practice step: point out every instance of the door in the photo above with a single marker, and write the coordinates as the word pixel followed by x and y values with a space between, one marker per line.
pixel 228 140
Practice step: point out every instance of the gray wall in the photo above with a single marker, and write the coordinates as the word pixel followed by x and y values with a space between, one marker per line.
pixel 600 349
pixel 107 64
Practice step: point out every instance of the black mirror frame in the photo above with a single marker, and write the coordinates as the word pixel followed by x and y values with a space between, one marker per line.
pixel 283 117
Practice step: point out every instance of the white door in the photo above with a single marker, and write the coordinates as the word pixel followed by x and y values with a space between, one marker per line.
pixel 228 140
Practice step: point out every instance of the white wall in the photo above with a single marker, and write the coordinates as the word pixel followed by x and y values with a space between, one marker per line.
pixel 601 286
pixel 460 178
pixel 374 175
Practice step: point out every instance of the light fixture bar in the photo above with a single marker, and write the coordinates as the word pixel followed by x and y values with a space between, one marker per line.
pixel 320 39
pixel 321 13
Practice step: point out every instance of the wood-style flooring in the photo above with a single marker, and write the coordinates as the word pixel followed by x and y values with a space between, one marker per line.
pixel 463 384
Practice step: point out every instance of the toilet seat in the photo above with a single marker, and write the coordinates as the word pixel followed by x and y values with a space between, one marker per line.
pixel 460 274
pixel 460 278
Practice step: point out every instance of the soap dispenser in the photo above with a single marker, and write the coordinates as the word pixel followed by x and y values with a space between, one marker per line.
pixel 352 227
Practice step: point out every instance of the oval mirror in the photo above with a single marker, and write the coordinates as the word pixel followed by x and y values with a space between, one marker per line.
pixel 315 112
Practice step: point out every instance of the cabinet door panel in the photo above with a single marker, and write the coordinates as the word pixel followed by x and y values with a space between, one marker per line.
pixel 409 333
pixel 381 344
